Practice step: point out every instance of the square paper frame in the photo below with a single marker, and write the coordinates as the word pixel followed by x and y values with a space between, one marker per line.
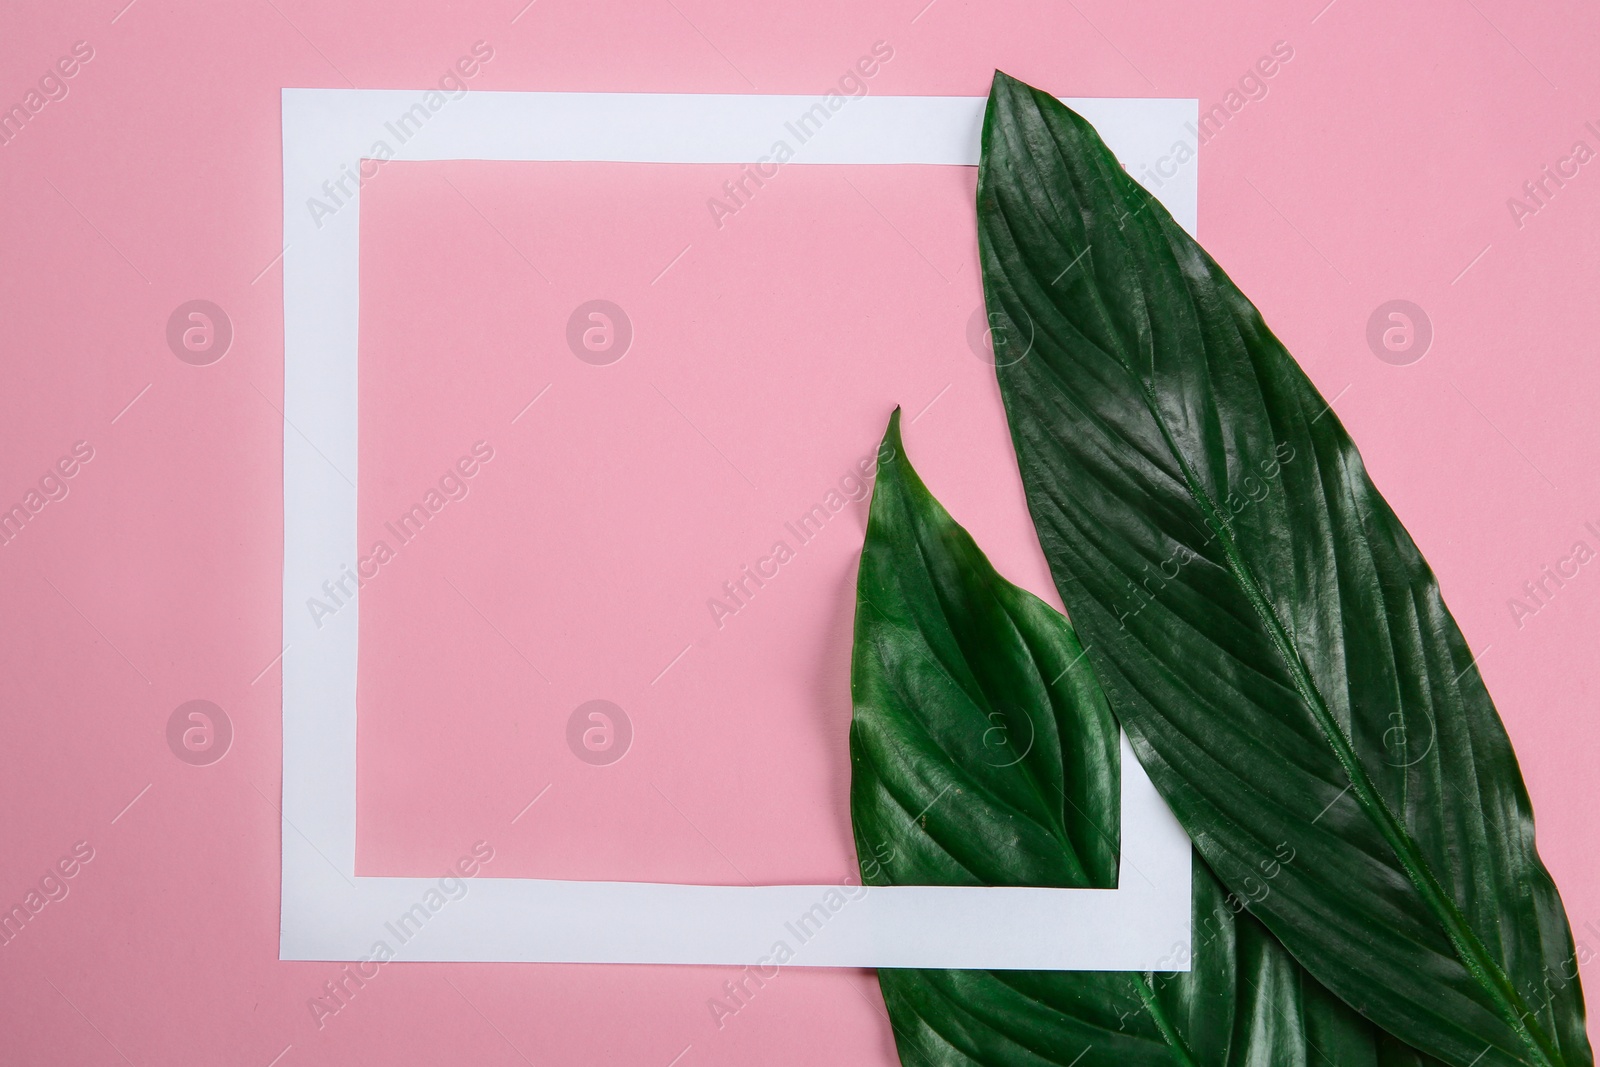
pixel 328 913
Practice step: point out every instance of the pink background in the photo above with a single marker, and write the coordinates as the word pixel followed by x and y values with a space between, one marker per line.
pixel 606 522
pixel 1378 166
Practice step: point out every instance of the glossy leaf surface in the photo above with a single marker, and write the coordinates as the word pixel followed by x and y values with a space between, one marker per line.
pixel 1265 629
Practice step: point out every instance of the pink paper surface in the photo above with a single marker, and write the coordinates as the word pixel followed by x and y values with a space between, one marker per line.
pixel 1376 166
pixel 588 558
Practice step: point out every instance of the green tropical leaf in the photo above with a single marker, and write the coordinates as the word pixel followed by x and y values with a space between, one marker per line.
pixel 1265 629
pixel 984 753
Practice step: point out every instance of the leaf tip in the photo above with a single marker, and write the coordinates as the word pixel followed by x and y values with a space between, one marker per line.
pixel 892 445
pixel 1006 92
pixel 1002 80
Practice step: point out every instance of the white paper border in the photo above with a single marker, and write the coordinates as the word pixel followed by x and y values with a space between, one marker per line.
pixel 330 914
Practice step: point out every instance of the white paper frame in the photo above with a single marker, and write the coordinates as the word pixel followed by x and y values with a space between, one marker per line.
pixel 328 913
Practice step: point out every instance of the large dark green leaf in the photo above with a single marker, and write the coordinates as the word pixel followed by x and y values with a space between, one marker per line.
pixel 984 753
pixel 1265 629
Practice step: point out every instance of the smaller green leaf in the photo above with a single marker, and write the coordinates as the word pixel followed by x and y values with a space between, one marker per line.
pixel 964 687
pixel 984 753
